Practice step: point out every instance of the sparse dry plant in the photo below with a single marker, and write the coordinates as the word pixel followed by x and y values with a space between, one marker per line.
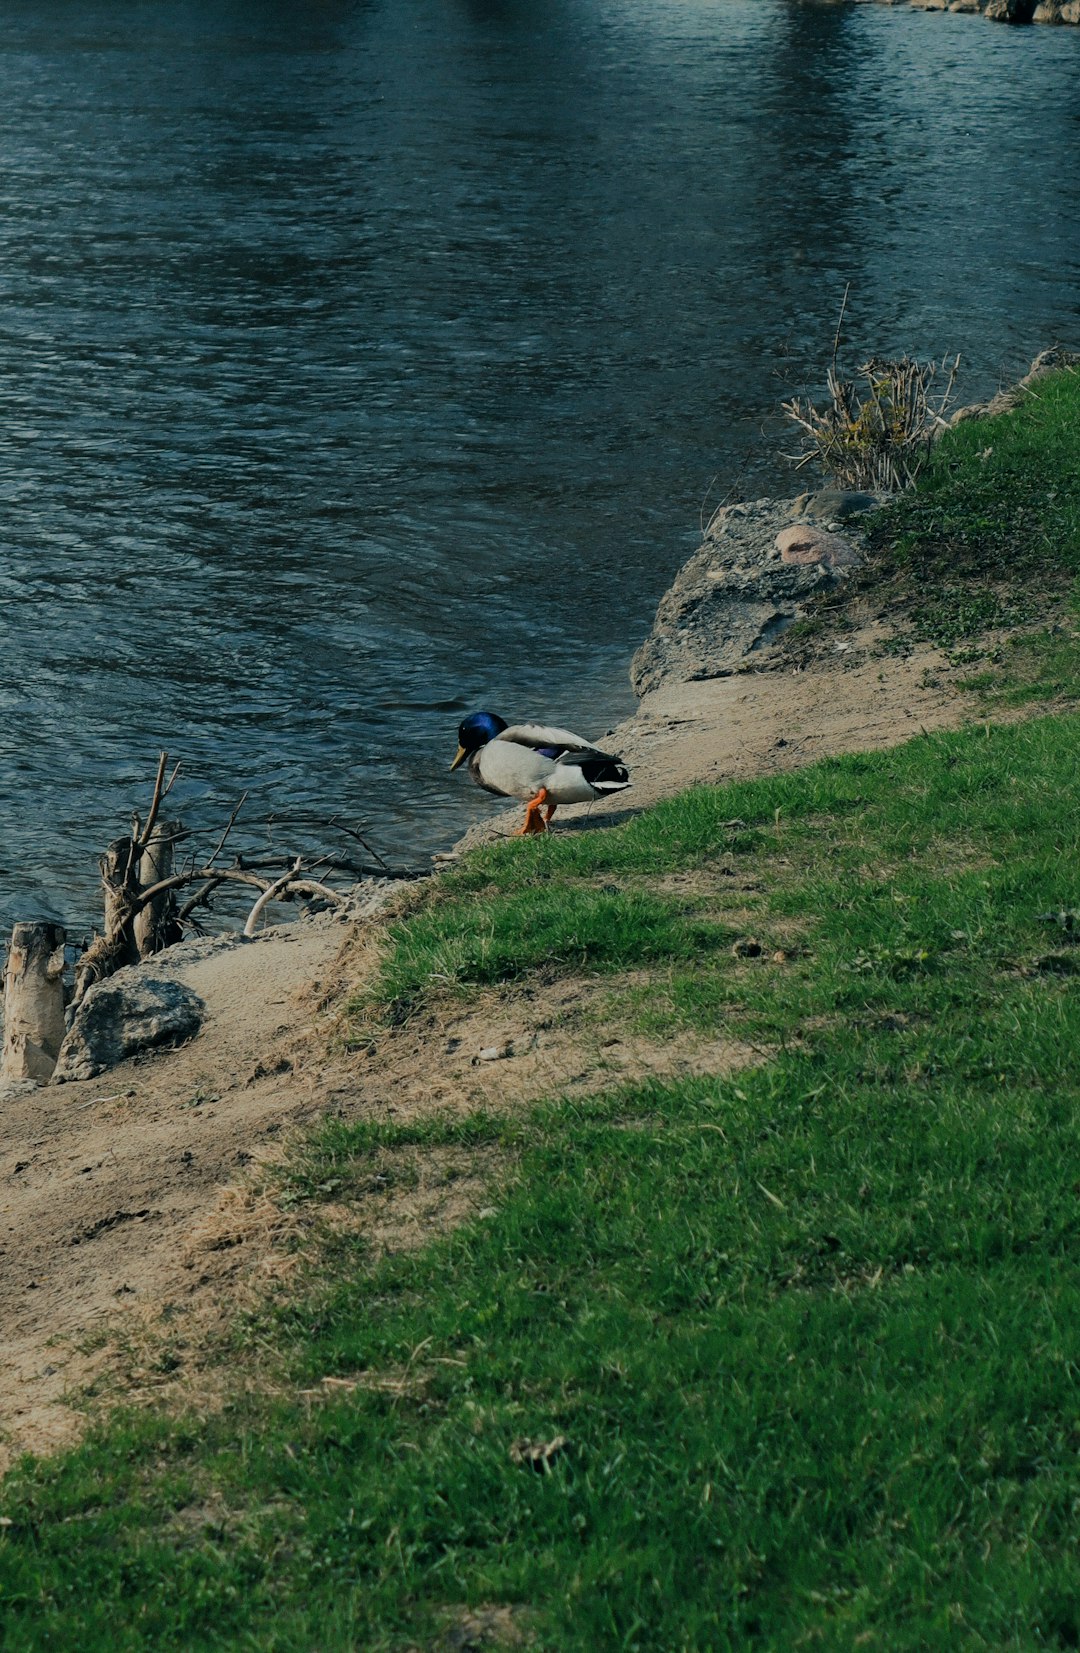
pixel 876 434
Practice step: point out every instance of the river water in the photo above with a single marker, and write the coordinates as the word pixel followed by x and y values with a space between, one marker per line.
pixel 364 363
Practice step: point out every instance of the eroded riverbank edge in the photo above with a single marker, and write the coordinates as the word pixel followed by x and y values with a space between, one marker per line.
pixel 133 1200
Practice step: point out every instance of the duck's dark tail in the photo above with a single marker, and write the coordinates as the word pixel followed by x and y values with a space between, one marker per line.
pixel 605 774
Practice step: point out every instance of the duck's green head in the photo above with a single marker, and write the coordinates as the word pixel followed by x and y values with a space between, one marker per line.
pixel 475 731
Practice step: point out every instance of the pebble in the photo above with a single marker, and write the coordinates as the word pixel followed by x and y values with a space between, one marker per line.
pixel 494 1053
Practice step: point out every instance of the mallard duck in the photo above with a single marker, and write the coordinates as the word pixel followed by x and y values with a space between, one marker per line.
pixel 546 767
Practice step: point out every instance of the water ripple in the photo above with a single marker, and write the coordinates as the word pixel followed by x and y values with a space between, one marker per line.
pixel 364 365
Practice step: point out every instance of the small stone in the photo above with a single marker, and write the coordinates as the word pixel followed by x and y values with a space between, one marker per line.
pixel 836 504
pixel 494 1053
pixel 802 545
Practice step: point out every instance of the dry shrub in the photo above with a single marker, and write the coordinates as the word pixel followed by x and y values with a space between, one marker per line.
pixel 876 435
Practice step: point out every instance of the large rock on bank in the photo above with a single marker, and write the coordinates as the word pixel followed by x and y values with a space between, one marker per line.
pixel 748 583
pixel 130 1012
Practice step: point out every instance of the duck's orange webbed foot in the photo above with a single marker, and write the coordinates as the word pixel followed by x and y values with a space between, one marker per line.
pixel 533 818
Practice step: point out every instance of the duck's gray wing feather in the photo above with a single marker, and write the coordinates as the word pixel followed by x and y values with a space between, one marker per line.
pixel 545 737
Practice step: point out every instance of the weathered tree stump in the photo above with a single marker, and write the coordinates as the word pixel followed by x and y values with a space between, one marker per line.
pixel 156 925
pixel 116 947
pixel 33 1001
pixel 139 885
pixel 116 879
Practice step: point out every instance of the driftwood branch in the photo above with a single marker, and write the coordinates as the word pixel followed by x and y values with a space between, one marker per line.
pixel 141 881
pixel 162 788
pixel 268 895
pixel 230 823
pixel 200 898
pixel 334 824
pixel 236 875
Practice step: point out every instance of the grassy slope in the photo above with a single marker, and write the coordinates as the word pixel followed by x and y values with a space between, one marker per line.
pixel 990 539
pixel 810 1332
pixel 999 498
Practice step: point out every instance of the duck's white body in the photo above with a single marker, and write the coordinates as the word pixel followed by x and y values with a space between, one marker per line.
pixel 528 756
pixel 538 763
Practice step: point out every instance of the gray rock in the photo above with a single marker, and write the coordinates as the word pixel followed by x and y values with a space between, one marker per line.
pixel 732 601
pixel 836 504
pixel 11 1089
pixel 127 1013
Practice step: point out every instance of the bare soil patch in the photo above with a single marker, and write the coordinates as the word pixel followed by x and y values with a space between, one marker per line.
pixel 517 1045
pixel 102 1183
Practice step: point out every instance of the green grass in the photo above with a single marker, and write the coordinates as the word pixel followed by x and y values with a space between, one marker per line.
pixel 989 539
pixel 561 925
pixel 998 497
pixel 1031 668
pixel 810 1332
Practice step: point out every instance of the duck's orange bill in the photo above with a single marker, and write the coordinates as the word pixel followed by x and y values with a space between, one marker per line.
pixel 461 756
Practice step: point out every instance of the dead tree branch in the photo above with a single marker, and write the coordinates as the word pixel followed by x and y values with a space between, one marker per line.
pixel 161 792
pixel 230 823
pixel 334 824
pixel 201 897
pixel 268 895
pixel 140 884
pixel 237 875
